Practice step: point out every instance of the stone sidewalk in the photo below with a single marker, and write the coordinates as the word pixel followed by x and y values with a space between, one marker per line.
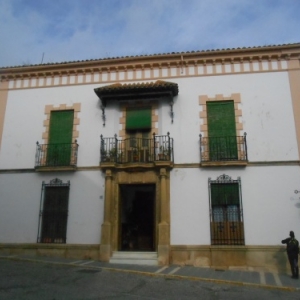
pixel 264 279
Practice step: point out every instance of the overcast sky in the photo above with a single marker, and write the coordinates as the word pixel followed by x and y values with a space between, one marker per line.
pixel 70 30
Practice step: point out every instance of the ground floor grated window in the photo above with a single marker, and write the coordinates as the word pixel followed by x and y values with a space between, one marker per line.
pixel 226 211
pixel 53 212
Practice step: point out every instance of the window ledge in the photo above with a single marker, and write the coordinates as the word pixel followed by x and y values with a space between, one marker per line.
pixel 224 163
pixel 56 169
pixel 136 165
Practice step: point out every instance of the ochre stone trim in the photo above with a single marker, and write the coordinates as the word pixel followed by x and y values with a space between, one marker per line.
pixel 3 103
pixel 111 227
pixel 207 63
pixel 294 78
pixel 272 258
pixel 49 108
pixel 74 251
pixel 135 104
pixel 203 99
pixel 268 258
pixel 173 71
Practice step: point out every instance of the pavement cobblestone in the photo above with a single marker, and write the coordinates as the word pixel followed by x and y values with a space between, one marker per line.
pixel 256 278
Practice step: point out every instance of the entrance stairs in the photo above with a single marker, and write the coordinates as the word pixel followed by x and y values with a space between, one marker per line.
pixel 134 258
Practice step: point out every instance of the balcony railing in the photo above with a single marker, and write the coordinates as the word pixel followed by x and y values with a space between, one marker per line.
pixel 227 148
pixel 56 155
pixel 130 150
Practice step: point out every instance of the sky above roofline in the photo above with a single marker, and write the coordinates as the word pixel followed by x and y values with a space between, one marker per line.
pixel 43 31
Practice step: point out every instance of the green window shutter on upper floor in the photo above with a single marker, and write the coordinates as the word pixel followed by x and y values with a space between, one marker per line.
pixel 138 118
pixel 61 127
pixel 221 130
pixel 221 118
pixel 60 138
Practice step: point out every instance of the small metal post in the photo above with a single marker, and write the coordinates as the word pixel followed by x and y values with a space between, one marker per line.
pixel 169 146
pixel 200 135
pixel 116 147
pixel 245 141
pixel 154 152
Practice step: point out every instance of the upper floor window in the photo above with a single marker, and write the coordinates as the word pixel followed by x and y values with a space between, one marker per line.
pixel 59 150
pixel 221 130
pixel 138 133
pixel 221 140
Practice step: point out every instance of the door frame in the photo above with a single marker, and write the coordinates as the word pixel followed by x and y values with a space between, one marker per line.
pixel 114 177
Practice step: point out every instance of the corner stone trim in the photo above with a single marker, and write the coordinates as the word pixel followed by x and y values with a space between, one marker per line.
pixel 49 108
pixel 203 113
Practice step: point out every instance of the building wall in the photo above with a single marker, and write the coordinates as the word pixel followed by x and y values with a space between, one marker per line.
pixel 20 195
pixel 267 117
pixel 270 207
pixel 267 105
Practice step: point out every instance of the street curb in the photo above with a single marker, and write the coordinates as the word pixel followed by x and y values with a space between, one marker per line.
pixel 149 274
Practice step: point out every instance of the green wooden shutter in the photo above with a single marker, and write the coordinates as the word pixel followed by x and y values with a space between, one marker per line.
pixel 60 138
pixel 139 118
pixel 221 130
pixel 61 126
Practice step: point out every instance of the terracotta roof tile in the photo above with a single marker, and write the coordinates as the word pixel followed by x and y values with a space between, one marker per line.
pixel 131 91
pixel 158 55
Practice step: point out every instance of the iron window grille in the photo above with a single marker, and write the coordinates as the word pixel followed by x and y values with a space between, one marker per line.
pixel 226 211
pixel 53 214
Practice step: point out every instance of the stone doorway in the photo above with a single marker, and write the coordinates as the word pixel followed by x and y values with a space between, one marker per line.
pixel 137 219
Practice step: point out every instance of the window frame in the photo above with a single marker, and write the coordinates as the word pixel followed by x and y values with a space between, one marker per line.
pixel 54 183
pixel 229 228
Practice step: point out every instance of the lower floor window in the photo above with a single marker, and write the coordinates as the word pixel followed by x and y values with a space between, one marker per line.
pixel 54 212
pixel 226 211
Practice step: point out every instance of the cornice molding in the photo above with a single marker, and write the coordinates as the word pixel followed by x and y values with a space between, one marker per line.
pixel 169 60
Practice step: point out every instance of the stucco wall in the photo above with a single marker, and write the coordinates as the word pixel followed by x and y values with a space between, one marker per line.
pixel 270 207
pixel 267 117
pixel 20 195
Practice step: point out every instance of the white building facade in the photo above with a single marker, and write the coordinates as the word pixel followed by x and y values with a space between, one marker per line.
pixel 191 156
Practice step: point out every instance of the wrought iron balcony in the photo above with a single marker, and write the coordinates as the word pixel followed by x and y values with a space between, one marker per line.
pixel 223 149
pixel 136 150
pixel 56 155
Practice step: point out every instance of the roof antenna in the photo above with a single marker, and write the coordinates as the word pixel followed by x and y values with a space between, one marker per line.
pixel 42 58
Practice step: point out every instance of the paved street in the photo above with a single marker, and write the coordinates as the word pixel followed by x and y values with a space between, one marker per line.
pixel 54 280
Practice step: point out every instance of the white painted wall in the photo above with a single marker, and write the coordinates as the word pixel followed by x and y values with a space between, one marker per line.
pixel 189 208
pixel 24 124
pixel 271 208
pixel 20 195
pixel 267 117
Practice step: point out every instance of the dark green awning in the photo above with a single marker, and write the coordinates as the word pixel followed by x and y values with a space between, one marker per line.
pixel 138 118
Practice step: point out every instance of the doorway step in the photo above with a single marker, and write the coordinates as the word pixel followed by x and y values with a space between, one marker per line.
pixel 134 258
